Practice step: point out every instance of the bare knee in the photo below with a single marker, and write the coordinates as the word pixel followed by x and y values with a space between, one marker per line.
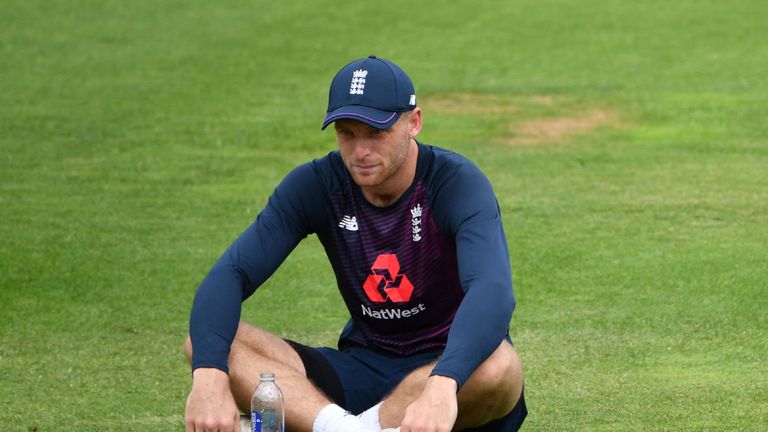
pixel 188 348
pixel 502 369
pixel 502 376
pixel 493 389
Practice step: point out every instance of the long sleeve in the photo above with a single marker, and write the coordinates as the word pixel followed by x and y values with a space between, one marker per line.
pixel 247 263
pixel 483 317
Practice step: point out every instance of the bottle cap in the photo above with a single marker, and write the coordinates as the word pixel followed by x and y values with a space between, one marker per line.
pixel 267 376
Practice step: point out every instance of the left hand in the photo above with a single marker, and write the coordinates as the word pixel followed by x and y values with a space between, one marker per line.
pixel 435 410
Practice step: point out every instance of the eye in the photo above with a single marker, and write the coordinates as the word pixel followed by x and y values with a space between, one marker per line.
pixel 377 132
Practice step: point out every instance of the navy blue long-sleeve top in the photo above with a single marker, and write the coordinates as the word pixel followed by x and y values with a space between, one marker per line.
pixel 430 271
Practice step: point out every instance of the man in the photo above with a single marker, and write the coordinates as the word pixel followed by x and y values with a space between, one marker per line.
pixel 415 239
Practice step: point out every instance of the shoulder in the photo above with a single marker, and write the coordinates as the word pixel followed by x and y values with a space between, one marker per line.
pixel 458 189
pixel 308 183
pixel 446 165
pixel 450 172
pixel 302 195
pixel 324 173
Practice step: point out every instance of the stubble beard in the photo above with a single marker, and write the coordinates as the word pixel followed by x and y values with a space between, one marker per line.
pixel 390 170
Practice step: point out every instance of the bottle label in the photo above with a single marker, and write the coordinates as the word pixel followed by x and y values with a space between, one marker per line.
pixel 255 421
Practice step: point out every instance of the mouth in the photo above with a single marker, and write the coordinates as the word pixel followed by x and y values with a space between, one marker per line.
pixel 365 169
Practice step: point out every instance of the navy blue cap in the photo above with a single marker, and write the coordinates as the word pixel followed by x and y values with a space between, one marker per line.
pixel 371 90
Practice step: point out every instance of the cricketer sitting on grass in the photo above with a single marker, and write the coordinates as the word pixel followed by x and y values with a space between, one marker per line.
pixel 415 239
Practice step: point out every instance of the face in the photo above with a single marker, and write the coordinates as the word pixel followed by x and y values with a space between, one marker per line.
pixel 375 157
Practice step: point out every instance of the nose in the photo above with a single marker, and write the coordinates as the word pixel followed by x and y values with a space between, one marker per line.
pixel 361 149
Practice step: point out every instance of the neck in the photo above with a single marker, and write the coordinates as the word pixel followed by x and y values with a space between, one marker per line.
pixel 391 190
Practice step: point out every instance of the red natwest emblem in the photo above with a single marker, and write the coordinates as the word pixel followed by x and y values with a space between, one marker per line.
pixel 385 282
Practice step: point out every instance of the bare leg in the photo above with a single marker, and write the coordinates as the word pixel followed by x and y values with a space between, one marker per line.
pixel 490 393
pixel 255 351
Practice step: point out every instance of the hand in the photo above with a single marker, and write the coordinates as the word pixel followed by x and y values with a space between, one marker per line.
pixel 210 405
pixel 435 410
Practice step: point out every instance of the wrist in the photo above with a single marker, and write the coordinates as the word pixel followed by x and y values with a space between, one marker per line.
pixel 443 383
pixel 209 375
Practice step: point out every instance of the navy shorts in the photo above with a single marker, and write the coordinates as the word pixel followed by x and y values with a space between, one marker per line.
pixel 357 378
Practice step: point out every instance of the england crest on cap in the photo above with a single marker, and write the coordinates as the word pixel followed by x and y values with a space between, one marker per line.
pixel 371 90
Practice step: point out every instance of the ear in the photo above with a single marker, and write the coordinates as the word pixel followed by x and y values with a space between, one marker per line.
pixel 414 122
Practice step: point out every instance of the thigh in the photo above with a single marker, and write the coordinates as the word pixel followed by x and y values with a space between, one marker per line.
pixel 267 345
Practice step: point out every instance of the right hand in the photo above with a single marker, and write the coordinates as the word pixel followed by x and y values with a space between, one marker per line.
pixel 210 405
pixel 435 410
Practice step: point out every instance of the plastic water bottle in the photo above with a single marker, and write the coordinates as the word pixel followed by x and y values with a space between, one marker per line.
pixel 267 406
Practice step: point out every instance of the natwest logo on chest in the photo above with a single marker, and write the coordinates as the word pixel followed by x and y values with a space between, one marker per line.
pixel 385 281
pixel 393 313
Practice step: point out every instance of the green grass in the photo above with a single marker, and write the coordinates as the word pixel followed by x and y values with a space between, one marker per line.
pixel 137 139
